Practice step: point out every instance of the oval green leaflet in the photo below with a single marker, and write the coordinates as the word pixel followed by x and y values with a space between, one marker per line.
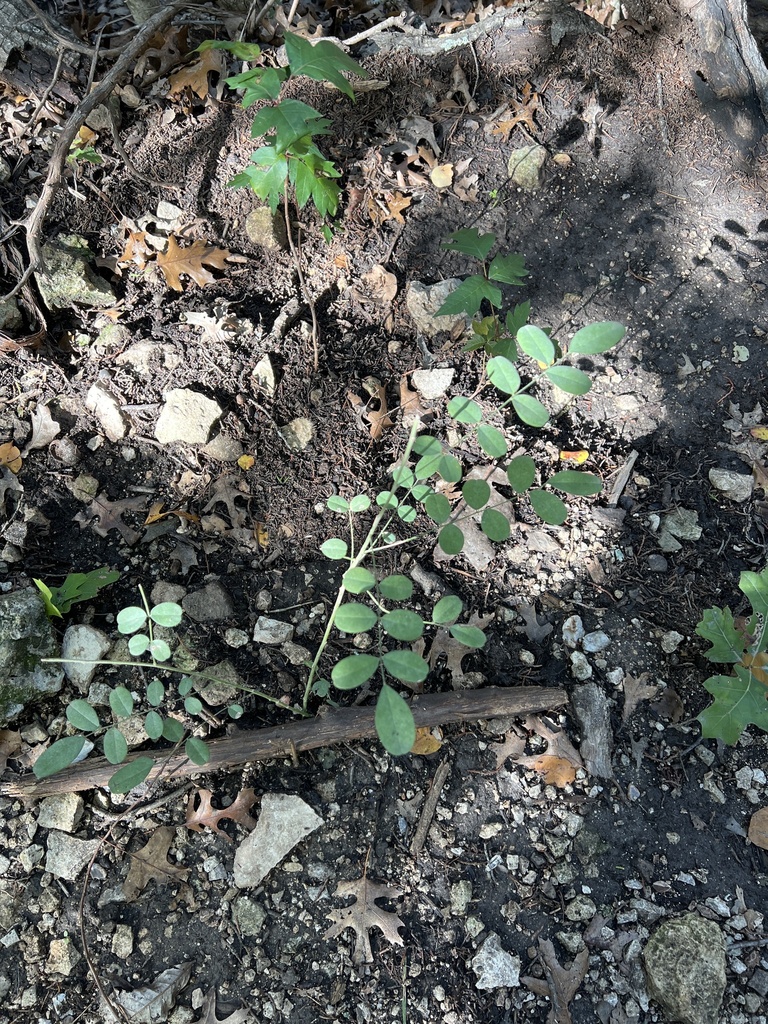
pixel 138 644
pixel 451 539
pixel 465 410
pixel 530 410
pixel 492 441
pixel 569 379
pixel 476 493
pixel 115 746
pixel 360 503
pixel 82 716
pixel 153 725
pixel 438 508
pixel 334 548
pixel 394 722
pixel 167 613
pixel 337 504
pixel 573 482
pixel 358 580
pixel 402 624
pixel 494 525
pixel 59 755
pixel 596 338
pixel 121 701
pixel 354 617
pixel 548 507
pixel 447 609
pixel 155 693
pixel 536 344
pixel 173 730
pixel 503 375
pixel 407 666
pixel 131 775
pixel 470 636
pixel 521 472
pixel 197 751
pixel 396 588
pixel 131 619
pixel 353 671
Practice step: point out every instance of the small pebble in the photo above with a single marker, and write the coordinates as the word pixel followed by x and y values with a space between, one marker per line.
pixel 594 642
pixel 573 630
pixel 657 563
pixel 580 667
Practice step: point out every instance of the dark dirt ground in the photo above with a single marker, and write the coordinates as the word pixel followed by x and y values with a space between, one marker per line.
pixel 655 223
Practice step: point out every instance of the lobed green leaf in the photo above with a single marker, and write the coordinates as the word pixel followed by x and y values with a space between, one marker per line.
pixel 509 269
pixel 322 61
pixel 728 644
pixel 468 297
pixel 471 242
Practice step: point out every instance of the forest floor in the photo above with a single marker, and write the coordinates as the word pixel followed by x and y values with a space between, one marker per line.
pixel 647 217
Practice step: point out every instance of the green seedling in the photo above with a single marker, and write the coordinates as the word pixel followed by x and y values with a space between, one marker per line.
pixel 77 587
pixel 741 699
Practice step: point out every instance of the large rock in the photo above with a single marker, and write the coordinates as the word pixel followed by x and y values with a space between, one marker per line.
pixel 25 637
pixel 68 279
pixel 685 969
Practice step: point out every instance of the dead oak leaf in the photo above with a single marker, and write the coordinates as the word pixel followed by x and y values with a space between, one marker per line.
pixel 225 491
pixel 44 429
pixel 378 419
pixel 561 984
pixel 205 815
pixel 190 262
pixel 195 75
pixel 10 744
pixel 363 915
pixel 151 864
pixel 209 1013
pixel 454 652
pixel 557 765
pixel 411 405
pixel 522 111
pixel 103 515
pixel 636 690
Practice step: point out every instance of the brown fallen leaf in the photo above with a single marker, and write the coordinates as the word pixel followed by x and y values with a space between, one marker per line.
pixel 379 285
pixel 209 1013
pixel 157 513
pixel 195 75
pixel 226 490
pixel 561 985
pixel 378 419
pixel 411 405
pixel 205 815
pixel 363 915
pixel 44 429
pixel 521 111
pixel 103 515
pixel 635 690
pixel 10 456
pixel 760 473
pixel 426 742
pixel 557 765
pixel 758 828
pixel 189 261
pixel 10 744
pixel 444 644
pixel 391 209
pixel 136 250
pixel 151 864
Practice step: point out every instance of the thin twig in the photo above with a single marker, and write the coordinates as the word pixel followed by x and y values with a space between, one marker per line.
pixel 70 44
pixel 50 87
pixel 33 225
pixel 296 254
pixel 430 806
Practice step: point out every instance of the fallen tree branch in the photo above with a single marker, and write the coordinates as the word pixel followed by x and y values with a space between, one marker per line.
pixel 33 225
pixel 343 725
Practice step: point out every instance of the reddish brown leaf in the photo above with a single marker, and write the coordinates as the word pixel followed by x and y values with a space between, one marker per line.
pixel 205 815
pixel 195 75
pixel 10 456
pixel 189 261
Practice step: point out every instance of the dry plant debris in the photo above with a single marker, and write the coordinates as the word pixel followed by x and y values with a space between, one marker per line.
pixel 363 915
pixel 557 765
pixel 151 863
pixel 205 815
pixel 189 261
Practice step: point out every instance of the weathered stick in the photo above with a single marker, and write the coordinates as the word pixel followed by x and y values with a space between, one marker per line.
pixel 343 725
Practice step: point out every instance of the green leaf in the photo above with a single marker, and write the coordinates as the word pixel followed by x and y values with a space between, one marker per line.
pixel 402 624
pixel 59 755
pixel 241 50
pixel 407 513
pixel 508 269
pixel 536 344
pixel 468 296
pixel 82 716
pixel 131 619
pixel 173 730
pixel 451 539
pixel 291 121
pixel 494 525
pixel 138 644
pixel 503 375
pixel 360 503
pixel 159 649
pixel 358 580
pixel 420 492
pixel 476 493
pixel 517 318
pixel 521 472
pixel 569 379
pixel 167 614
pixel 115 746
pixel 425 444
pixel 470 636
pixel 153 725
pixel 755 586
pixel 740 701
pixel 407 666
pixel 394 722
pixel 235 711
pixel 718 627
pixel 354 617
pixel 387 499
pixel 258 84
pixel 548 507
pixel 353 671
pixel 438 508
pixel 131 775
pixel 197 751
pixel 322 61
pixel 155 693
pixel 402 476
pixel 76 587
pixel 471 242
pixel 596 338
pixel 447 609
pixel 50 608
pixel 573 482
pixel 121 701
pixel 193 705
pixel 396 588
pixel 334 548
pixel 530 410
pixel 185 685
pixel 337 504
pixel 449 469
pixel 492 441
pixel 464 410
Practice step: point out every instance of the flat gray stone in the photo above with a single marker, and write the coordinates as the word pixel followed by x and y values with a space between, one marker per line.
pixel 83 644
pixel 26 636
pixel 595 642
pixel 433 384
pixel 223 449
pixel 494 966
pixel 423 302
pixel 266 229
pixel 284 821
pixel 68 279
pixel 525 166
pixel 249 916
pixel 62 811
pixel 66 856
pixel 298 433
pixel 272 631
pixel 186 416
pixel 106 408
pixel 685 969
pixel 736 486
pixel 210 604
